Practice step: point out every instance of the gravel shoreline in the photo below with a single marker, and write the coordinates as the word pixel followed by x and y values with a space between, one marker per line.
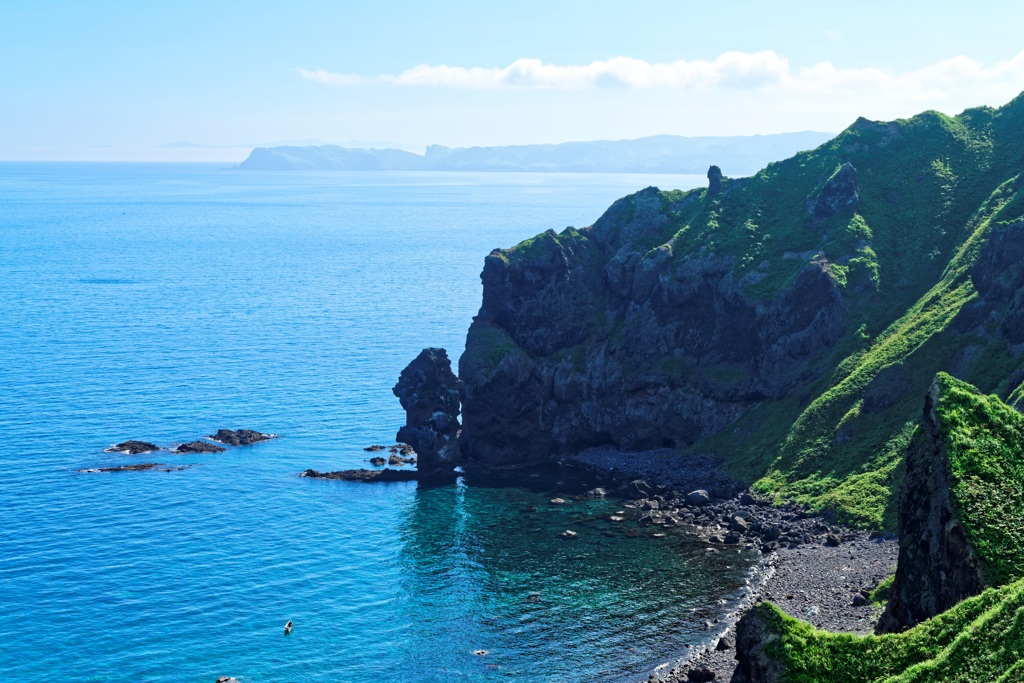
pixel 812 568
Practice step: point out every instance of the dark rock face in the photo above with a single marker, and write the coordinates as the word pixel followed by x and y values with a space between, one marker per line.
pixel 998 275
pixel 714 180
pixel 429 392
pixel 587 338
pixel 241 437
pixel 937 566
pixel 199 447
pixel 839 193
pixel 755 639
pixel 131 447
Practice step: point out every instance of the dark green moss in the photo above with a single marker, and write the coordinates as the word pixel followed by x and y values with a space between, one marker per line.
pixel 984 440
pixel 979 640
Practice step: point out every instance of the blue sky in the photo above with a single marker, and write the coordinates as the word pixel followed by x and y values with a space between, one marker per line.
pixel 121 80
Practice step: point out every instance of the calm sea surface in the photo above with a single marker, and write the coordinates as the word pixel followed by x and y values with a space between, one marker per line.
pixel 162 302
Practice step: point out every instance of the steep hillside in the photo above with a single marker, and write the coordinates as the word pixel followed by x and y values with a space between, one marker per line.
pixel 789 322
pixel 979 640
pixel 962 504
pixel 961 518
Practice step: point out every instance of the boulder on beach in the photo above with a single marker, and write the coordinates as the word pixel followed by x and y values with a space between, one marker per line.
pixel 638 488
pixel 698 497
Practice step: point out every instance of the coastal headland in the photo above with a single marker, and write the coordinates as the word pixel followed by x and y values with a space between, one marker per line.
pixel 751 358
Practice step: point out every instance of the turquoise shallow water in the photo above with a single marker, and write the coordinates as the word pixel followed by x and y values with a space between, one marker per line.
pixel 162 302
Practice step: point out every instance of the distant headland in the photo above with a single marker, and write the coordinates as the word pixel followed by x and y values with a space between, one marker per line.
pixel 741 154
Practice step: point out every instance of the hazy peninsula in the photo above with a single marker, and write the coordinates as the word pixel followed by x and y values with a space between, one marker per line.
pixel 741 154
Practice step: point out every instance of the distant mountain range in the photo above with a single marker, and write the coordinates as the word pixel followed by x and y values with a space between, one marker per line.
pixel 736 155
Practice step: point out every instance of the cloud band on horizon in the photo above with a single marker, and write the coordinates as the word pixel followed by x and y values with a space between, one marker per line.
pixel 765 70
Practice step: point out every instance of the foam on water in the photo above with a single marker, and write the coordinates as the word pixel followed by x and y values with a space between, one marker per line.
pixel 162 302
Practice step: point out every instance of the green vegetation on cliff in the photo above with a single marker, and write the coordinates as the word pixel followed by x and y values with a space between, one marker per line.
pixel 984 441
pixel 931 195
pixel 790 322
pixel 981 639
pixel 835 455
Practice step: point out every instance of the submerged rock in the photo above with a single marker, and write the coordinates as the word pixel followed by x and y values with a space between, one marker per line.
pixel 132 447
pixel 198 447
pixel 139 467
pixel 241 437
pixel 363 475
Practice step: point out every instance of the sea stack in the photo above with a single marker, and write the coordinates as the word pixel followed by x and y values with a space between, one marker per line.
pixel 429 393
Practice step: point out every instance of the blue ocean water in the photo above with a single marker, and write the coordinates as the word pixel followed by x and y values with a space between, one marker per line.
pixel 162 302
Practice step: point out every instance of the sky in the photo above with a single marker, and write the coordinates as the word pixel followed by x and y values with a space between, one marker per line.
pixel 181 81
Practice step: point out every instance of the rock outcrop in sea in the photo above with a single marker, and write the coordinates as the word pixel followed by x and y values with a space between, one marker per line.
pixel 429 392
pixel 240 437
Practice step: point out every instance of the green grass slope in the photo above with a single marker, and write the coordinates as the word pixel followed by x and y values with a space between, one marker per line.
pixel 930 191
pixel 984 442
pixel 931 188
pixel 980 640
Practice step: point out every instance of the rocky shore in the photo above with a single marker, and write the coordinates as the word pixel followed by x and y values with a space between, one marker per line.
pixel 812 568
pixel 817 583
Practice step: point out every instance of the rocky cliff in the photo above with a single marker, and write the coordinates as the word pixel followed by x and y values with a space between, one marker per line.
pixel 962 504
pixel 788 322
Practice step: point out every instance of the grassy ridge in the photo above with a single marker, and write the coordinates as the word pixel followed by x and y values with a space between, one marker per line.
pixel 984 440
pixel 981 639
pixel 931 188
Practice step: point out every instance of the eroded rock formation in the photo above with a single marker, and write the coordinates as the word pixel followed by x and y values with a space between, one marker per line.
pixel 429 392
pixel 937 565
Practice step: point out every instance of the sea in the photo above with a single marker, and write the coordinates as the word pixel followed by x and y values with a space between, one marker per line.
pixel 165 301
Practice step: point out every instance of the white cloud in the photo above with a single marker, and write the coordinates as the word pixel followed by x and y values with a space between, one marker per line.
pixel 321 76
pixel 950 79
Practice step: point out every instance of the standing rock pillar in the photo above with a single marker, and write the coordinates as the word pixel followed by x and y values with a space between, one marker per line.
pixel 429 392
